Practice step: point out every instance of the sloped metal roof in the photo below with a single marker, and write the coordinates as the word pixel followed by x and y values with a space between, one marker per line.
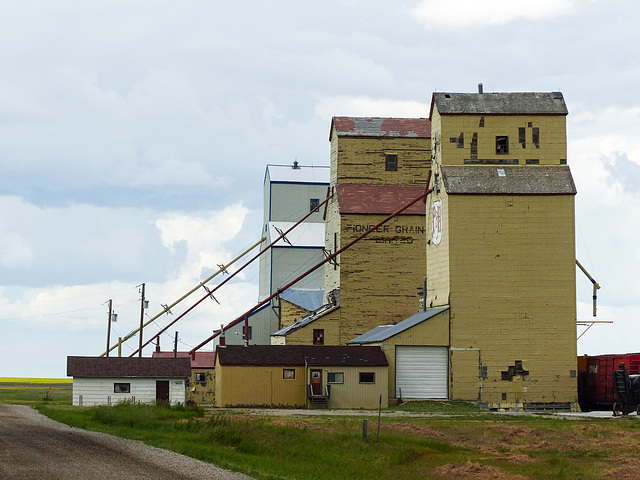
pixel 516 103
pixel 302 174
pixel 312 317
pixel 380 127
pixel 128 367
pixel 309 299
pixel 307 234
pixel 384 332
pixel 508 180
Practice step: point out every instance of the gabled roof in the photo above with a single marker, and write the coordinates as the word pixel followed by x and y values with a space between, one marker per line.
pixel 128 367
pixel 309 299
pixel 307 234
pixel 380 127
pixel 299 355
pixel 516 103
pixel 301 174
pixel 202 359
pixel 508 180
pixel 385 332
pixel 379 199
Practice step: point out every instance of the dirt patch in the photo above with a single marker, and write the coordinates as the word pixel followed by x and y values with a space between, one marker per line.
pixel 628 469
pixel 415 430
pixel 475 471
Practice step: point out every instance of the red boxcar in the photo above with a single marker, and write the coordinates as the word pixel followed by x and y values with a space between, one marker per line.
pixel 595 379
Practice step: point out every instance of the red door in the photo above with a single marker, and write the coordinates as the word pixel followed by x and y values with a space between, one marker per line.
pixel 162 391
pixel 316 382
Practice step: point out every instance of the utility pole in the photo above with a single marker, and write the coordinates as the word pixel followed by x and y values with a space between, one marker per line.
pixel 109 327
pixel 175 346
pixel 141 321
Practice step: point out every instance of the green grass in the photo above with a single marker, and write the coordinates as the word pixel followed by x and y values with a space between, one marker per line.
pixel 452 440
pixel 35 392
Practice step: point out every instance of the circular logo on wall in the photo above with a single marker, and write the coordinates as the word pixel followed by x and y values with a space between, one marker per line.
pixel 436 222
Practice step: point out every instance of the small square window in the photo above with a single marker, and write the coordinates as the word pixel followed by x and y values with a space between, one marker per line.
pixel 121 388
pixel 289 374
pixel 563 161
pixel 502 145
pixel 313 204
pixel 367 377
pixel 200 378
pixel 318 336
pixel 391 163
pixel 250 333
pixel 335 377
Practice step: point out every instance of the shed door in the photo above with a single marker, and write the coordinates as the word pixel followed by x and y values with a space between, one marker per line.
pixel 316 382
pixel 162 391
pixel 421 372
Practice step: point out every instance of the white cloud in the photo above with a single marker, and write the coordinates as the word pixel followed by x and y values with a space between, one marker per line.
pixel 435 14
pixel 363 106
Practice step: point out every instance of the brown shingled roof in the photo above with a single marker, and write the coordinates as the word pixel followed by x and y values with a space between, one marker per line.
pixel 380 127
pixel 128 367
pixel 296 355
pixel 508 180
pixel 379 199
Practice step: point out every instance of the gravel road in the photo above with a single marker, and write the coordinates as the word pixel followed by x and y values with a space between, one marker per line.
pixel 34 446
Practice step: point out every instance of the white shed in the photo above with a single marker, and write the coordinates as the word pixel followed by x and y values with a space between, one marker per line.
pixel 111 380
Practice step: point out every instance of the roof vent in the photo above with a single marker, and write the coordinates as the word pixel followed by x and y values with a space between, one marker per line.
pixel 556 95
pixel 295 164
pixel 480 89
pixel 501 172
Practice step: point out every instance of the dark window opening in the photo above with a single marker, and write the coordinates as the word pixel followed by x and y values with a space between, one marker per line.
pixel 532 161
pixel 335 377
pixel 474 146
pixel 514 370
pixel 313 204
pixel 481 122
pixel 318 336
pixel 201 378
pixel 522 137
pixel 461 140
pixel 121 388
pixel 289 374
pixel 502 145
pixel 530 124
pixel 504 396
pixel 391 163
pixel 536 136
pixel 367 377
pixel 250 333
pixel 563 161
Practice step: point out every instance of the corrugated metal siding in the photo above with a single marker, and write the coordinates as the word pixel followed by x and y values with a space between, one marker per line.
pixel 289 263
pixel 305 173
pixel 290 202
pixel 421 372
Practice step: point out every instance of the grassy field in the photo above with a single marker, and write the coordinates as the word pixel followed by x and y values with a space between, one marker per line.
pixel 450 440
pixel 32 391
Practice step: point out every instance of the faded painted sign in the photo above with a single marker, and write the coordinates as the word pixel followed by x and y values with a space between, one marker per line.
pixel 436 222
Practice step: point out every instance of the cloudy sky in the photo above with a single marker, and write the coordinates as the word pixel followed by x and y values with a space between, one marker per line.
pixel 134 138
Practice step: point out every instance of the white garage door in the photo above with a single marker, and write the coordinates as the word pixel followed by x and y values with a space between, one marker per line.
pixel 421 372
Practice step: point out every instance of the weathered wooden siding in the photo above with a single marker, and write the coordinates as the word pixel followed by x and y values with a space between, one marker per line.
pixel 202 392
pixel 551 149
pixel 238 385
pixel 353 394
pixel 380 275
pixel 330 323
pixel 291 313
pixel 362 160
pixel 99 391
pixel 512 267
